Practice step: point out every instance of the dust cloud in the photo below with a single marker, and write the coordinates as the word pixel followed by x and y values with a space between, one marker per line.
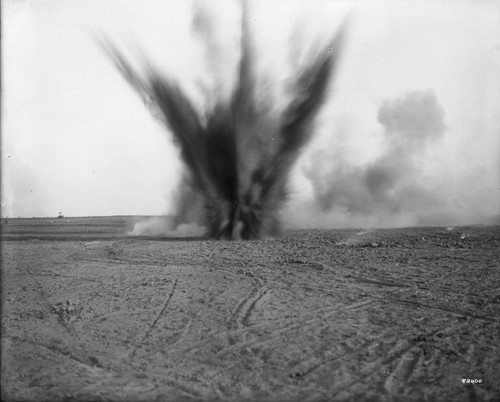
pixel 238 148
pixel 394 189
pixel 165 226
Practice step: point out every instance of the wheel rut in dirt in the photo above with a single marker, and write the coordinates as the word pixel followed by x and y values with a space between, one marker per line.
pixel 243 310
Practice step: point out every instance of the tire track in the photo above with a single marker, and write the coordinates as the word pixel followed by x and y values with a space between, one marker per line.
pixel 246 316
pixel 403 371
pixel 404 351
pixel 277 333
pixel 169 297
pixel 297 322
pixel 399 348
pixel 158 316
pixel 243 310
pixel 283 325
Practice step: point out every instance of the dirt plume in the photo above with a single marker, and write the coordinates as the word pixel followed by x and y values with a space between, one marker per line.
pixel 238 150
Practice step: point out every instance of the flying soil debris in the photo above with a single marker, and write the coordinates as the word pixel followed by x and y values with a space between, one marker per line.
pixel 239 152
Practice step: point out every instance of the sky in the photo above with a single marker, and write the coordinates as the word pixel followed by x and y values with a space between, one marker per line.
pixel 409 134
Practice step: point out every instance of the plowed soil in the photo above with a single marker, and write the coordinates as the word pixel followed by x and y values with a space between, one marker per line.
pixel 90 313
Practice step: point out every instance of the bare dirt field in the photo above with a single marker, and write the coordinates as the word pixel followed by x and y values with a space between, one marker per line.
pixel 90 313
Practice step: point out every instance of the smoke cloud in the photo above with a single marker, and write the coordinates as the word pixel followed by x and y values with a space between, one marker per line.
pixel 394 189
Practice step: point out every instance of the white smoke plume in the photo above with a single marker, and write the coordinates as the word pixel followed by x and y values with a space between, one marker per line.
pixel 165 226
pixel 394 189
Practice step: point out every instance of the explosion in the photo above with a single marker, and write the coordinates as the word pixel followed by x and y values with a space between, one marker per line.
pixel 239 151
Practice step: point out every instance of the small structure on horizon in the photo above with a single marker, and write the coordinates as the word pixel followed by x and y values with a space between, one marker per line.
pixel 60 216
